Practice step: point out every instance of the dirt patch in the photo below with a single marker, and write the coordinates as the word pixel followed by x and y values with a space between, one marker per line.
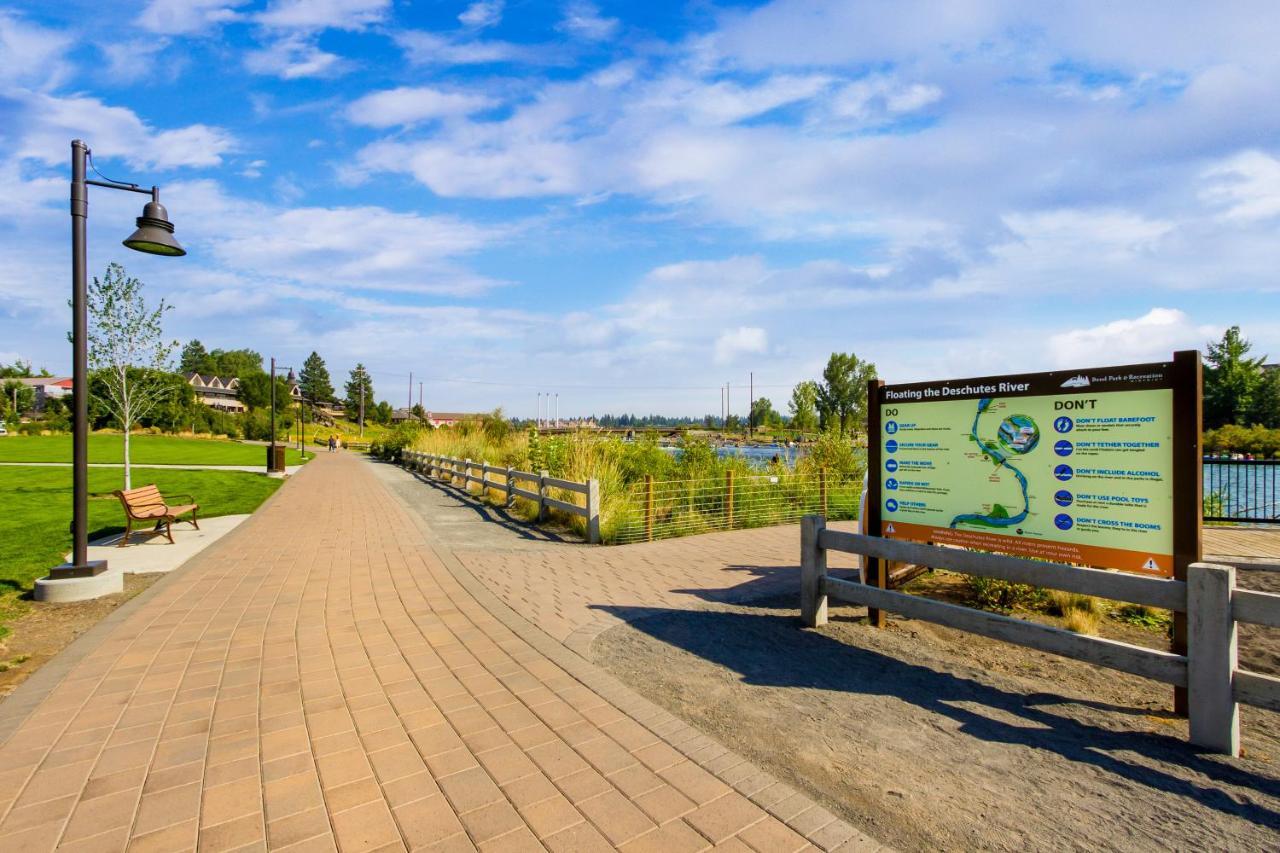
pixel 926 737
pixel 46 629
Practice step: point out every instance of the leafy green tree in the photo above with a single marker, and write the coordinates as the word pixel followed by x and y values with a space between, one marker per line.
pixel 1264 408
pixel 236 362
pixel 804 405
pixel 382 413
pixel 196 359
pixel 18 398
pixel 128 351
pixel 255 392
pixel 314 380
pixel 763 414
pixel 359 386
pixel 18 370
pixel 1230 378
pixel 842 394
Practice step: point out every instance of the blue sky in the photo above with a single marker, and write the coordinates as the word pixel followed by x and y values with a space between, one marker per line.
pixel 631 204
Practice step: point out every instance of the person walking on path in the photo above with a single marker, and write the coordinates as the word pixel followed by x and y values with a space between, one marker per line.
pixel 333 443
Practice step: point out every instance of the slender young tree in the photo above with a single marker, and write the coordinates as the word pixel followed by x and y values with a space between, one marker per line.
pixel 128 351
pixel 804 405
pixel 842 394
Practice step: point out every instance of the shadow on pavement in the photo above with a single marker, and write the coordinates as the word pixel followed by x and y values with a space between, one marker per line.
pixel 462 499
pixel 774 651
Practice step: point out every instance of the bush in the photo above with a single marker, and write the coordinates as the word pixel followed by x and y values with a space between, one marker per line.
pixel 993 594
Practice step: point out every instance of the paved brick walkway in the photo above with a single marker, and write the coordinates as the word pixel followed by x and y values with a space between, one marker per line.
pixel 328 677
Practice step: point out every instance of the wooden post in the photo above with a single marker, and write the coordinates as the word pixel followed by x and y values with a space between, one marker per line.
pixel 648 507
pixel 813 572
pixel 1211 658
pixel 728 499
pixel 511 484
pixel 1188 488
pixel 876 572
pixel 466 474
pixel 593 512
pixel 822 490
pixel 542 494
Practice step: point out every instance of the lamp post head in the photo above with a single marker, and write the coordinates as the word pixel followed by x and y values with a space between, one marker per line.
pixel 155 232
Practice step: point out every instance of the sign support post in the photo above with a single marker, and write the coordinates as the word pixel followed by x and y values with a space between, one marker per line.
pixel 1188 488
pixel 877 572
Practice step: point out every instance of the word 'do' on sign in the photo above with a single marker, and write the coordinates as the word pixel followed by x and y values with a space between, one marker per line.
pixel 1090 467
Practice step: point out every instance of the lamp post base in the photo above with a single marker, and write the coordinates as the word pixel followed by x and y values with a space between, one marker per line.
pixel 68 582
pixel 87 569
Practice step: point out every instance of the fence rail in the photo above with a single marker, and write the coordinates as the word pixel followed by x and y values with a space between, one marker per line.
pixel 1209 670
pixel 662 509
pixel 1242 490
pixel 460 472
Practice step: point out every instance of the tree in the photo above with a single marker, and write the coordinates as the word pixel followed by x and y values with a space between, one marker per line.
pixel 18 397
pixel 804 405
pixel 1230 378
pixel 382 413
pixel 359 386
pixel 236 362
pixel 255 392
pixel 763 413
pixel 842 394
pixel 1264 408
pixel 127 350
pixel 18 370
pixel 314 380
pixel 196 359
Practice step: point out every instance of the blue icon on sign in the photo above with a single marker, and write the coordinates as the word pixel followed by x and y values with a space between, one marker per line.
pixel 1063 424
pixel 891 427
pixel 1063 472
pixel 1063 498
pixel 891 465
pixel 891 484
pixel 1063 447
pixel 891 505
pixel 1062 521
pixel 891 446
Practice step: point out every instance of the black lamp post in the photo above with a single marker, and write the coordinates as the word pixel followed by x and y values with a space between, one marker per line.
pixel 154 236
pixel 272 466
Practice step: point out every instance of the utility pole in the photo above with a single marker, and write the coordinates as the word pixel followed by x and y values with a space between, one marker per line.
pixel 728 405
pixel 751 406
pixel 362 405
pixel 557 410
pixel 537 418
pixel 411 389
pixel 419 395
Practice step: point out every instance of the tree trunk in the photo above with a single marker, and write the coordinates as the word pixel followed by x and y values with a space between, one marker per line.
pixel 128 479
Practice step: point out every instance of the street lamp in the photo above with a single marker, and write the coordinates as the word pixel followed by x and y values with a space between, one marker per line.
pixel 273 465
pixel 154 236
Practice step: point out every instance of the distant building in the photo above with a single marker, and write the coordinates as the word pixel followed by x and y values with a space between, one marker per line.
pixel 46 388
pixel 220 392
pixel 439 419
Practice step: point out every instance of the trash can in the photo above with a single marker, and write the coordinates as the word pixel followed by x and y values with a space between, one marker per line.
pixel 275 458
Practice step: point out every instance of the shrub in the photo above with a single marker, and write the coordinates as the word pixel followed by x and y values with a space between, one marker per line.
pixel 1065 603
pixel 993 594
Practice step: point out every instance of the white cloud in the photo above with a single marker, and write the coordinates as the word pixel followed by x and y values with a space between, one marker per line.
pixel 732 344
pixel 1152 337
pixel 48 122
pixel 482 14
pixel 186 17
pixel 583 19
pixel 30 54
pixel 408 105
pixel 310 15
pixel 294 57
pixel 1245 187
pixel 426 48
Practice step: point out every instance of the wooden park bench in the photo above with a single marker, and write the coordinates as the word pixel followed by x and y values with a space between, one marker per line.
pixel 147 504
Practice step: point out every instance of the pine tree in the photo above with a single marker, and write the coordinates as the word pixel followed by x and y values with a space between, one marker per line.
pixel 195 359
pixel 357 386
pixel 1230 379
pixel 314 380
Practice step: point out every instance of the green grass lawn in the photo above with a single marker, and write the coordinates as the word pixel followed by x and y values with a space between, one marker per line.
pixel 144 450
pixel 35 515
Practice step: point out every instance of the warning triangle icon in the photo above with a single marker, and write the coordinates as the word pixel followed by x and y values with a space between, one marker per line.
pixel 1150 565
pixel 888 529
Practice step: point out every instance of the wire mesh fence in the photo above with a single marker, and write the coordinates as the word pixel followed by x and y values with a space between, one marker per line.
pixel 669 508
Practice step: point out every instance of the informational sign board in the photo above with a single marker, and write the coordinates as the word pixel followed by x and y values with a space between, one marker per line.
pixel 1070 466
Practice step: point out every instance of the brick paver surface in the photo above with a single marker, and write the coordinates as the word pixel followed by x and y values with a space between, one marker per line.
pixel 324 678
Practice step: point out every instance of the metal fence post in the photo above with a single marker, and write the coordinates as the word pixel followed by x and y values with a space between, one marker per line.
pixel 822 490
pixel 593 512
pixel 648 507
pixel 542 494
pixel 484 479
pixel 813 572
pixel 728 499
pixel 1214 716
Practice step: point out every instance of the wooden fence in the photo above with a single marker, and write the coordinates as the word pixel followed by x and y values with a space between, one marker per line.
pixel 1209 597
pixel 508 480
